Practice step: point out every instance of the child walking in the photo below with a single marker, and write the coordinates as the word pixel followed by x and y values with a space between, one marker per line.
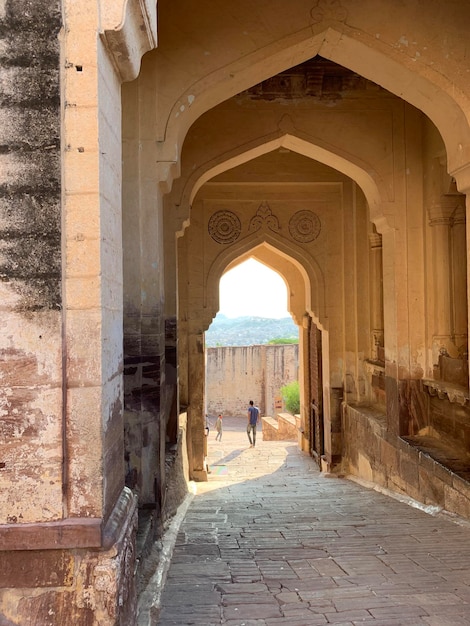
pixel 218 427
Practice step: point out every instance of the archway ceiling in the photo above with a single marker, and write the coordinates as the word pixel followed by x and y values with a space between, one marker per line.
pixel 280 165
pixel 294 112
pixel 284 159
pixel 229 47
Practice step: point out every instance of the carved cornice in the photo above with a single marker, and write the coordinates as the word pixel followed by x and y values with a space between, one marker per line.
pixel 448 391
pixel 128 30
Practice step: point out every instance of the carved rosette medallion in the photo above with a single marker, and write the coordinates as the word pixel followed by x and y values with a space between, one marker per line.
pixel 304 226
pixel 224 227
pixel 331 10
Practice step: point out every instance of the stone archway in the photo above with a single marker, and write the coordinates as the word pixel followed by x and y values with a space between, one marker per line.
pixel 312 361
pixel 264 233
pixel 328 35
pixel 295 269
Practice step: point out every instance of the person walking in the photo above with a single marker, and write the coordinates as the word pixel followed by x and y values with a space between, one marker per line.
pixel 218 427
pixel 253 417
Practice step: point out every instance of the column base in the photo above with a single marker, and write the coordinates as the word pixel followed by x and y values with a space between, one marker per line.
pixel 199 476
pixel 74 585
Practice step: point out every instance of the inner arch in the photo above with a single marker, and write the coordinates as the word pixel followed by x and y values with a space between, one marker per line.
pixel 358 173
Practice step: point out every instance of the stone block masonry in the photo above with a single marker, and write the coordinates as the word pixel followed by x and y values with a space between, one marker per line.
pixel 236 375
pixel 30 153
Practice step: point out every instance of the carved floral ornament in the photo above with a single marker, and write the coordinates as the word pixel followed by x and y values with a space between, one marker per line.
pixel 331 10
pixel 225 226
pixel 264 216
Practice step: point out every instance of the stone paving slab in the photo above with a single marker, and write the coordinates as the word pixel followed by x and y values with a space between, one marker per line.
pixel 272 542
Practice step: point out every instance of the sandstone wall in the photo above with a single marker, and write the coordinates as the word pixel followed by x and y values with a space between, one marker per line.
pixel 418 467
pixel 30 273
pixel 236 375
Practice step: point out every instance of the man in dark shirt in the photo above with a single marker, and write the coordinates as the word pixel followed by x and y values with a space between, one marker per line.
pixel 253 416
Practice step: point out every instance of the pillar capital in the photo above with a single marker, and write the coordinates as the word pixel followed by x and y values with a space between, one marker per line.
pixel 440 213
pixel 375 240
pixel 452 201
pixel 462 178
pixel 459 216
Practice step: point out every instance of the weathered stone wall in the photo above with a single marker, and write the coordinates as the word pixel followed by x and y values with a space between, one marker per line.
pixel 420 467
pixel 67 527
pixel 30 152
pixel 72 586
pixel 236 375
pixel 30 271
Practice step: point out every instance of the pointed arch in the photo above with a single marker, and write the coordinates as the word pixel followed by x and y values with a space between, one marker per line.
pixel 411 80
pixel 363 174
pixel 290 261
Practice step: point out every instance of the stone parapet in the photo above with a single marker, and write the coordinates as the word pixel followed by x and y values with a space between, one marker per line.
pixel 281 428
pixel 238 374
pixel 408 466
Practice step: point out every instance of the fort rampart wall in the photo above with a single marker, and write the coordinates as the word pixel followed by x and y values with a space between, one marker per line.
pixel 235 375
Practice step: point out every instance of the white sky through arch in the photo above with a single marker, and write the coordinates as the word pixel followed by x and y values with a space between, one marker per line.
pixel 253 289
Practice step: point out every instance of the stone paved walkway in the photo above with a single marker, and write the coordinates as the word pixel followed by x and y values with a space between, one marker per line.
pixel 270 541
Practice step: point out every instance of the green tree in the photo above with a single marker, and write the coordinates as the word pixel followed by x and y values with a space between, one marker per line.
pixel 282 340
pixel 291 396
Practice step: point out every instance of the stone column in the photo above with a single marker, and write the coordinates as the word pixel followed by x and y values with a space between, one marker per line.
pixel 304 378
pixel 376 294
pixel 440 219
pixel 196 412
pixel 459 264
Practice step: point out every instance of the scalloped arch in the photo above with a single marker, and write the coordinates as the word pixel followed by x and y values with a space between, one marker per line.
pixel 290 261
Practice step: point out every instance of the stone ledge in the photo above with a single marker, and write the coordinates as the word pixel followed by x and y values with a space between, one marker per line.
pixel 68 533
pixel 454 393
pixel 456 461
pixel 422 467
pixel 72 532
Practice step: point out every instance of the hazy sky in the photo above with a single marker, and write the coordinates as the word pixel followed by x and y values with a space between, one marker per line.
pixel 253 289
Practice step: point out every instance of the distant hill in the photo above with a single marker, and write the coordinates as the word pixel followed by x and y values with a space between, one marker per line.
pixel 248 331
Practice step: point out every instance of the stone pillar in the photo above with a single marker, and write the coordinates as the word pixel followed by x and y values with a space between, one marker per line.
pixel 459 265
pixel 440 219
pixel 304 381
pixel 196 409
pixel 462 179
pixel 376 290
pixel 67 551
pixel 146 394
